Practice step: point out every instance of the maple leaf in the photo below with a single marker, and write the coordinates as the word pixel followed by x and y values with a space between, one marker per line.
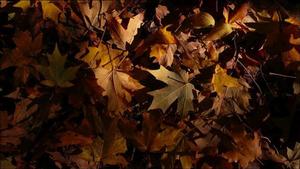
pixel 92 12
pixel 119 34
pixel 163 45
pixel 221 79
pixel 111 76
pixel 178 88
pixel 153 136
pixel 55 73
pixel 50 10
pixel 102 55
pixel 164 50
pixel 20 57
pixel 118 87
pixel 163 53
pixel 246 150
pixel 114 144
pixel 294 156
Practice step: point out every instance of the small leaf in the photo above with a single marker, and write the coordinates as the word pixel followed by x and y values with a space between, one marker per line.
pixel 219 31
pixel 202 20
pixel 221 79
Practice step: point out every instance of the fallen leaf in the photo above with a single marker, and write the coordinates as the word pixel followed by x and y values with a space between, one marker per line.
pixel 50 10
pixel 178 88
pixel 186 162
pixel 114 144
pixel 73 138
pixel 119 34
pixel 118 87
pixel 246 150
pixel 12 135
pixel 293 40
pixel 3 120
pixel 103 55
pixel 221 79
pixel 55 73
pixel 294 156
pixel 239 13
pixel 219 31
pixel 202 20
pixel 163 53
pixel 290 56
pixel 23 110
pixel 161 11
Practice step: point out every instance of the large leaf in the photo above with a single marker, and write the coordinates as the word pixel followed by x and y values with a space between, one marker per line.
pixel 55 73
pixel 118 87
pixel 178 88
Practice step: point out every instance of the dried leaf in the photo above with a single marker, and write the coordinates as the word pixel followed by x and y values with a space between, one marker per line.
pixel 12 136
pixel 221 79
pixel 23 110
pixel 247 148
pixel 294 156
pixel 118 87
pixel 163 53
pixel 219 31
pixel 73 138
pixel 178 88
pixel 202 20
pixel 55 73
pixel 119 34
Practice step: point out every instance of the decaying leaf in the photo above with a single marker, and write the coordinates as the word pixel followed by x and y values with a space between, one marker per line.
pixel 12 135
pixel 102 56
pixel 294 156
pixel 221 79
pixel 290 56
pixel 121 35
pixel 163 53
pixel 23 110
pixel 247 149
pixel 73 138
pixel 151 138
pixel 118 87
pixel 21 56
pixel 178 88
pixel 202 20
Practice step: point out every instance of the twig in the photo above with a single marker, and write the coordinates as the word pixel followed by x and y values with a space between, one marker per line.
pixel 281 75
pixel 254 81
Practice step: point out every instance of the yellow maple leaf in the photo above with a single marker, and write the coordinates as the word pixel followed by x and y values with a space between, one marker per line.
pixel 221 79
pixel 106 56
pixel 50 10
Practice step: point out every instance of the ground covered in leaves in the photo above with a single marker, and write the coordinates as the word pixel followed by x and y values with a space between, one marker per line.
pixel 149 84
